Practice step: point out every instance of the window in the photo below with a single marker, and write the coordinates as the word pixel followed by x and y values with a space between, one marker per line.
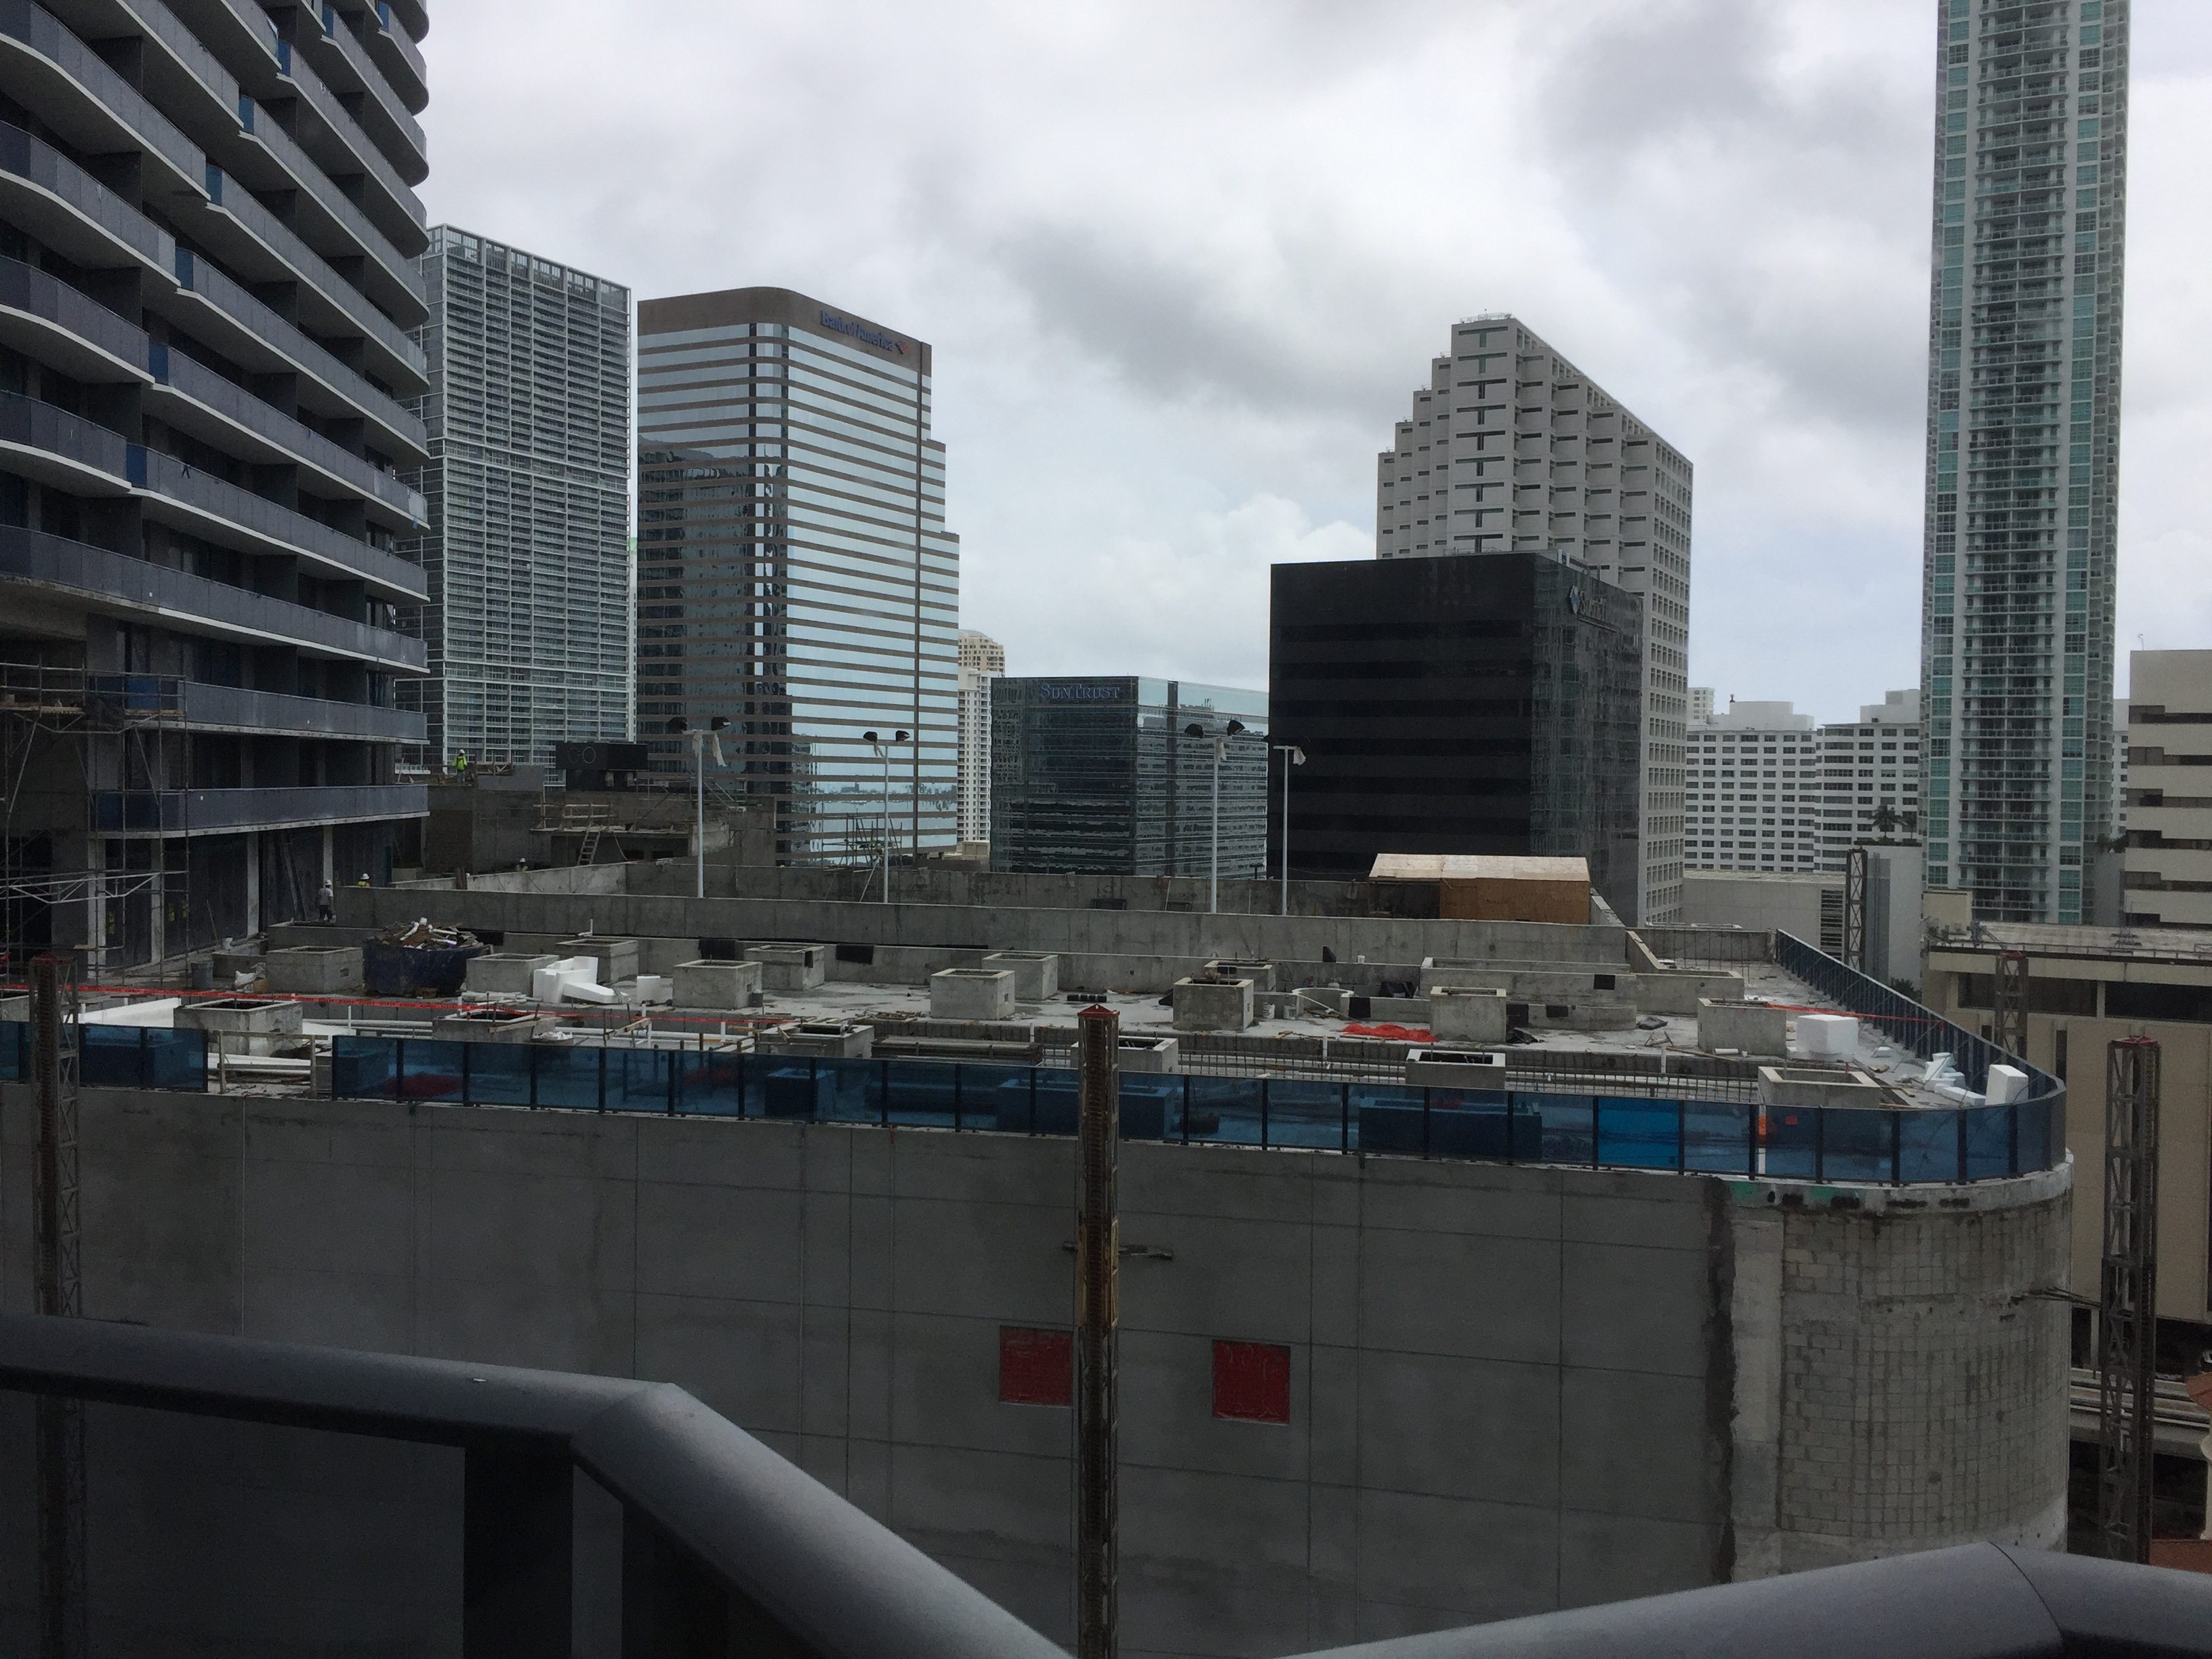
pixel 1037 1367
pixel 1252 1381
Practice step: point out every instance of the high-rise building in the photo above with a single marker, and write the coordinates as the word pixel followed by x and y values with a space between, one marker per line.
pixel 982 659
pixel 1754 796
pixel 795 577
pixel 1870 779
pixel 528 553
pixel 2023 447
pixel 2167 879
pixel 206 248
pixel 1701 703
pixel 1511 448
pixel 1105 777
pixel 1457 706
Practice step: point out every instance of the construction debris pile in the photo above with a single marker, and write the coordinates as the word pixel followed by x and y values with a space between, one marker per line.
pixel 418 959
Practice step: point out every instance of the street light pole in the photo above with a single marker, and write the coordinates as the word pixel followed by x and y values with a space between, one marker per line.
pixel 884 754
pixel 1220 754
pixel 1292 755
pixel 681 728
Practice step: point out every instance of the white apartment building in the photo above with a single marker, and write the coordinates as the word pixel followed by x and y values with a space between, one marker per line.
pixel 982 659
pixel 1511 448
pixel 1770 790
pixel 1872 772
pixel 1754 796
pixel 2166 869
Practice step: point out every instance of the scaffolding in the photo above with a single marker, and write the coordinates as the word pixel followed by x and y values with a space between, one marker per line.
pixel 117 737
pixel 2127 1306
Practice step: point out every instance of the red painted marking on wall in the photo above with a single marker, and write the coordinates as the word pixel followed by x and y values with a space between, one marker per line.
pixel 1252 1381
pixel 1036 1367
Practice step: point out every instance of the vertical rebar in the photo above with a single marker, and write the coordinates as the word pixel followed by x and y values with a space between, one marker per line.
pixel 2008 1004
pixel 59 1420
pixel 1855 908
pixel 2127 1305
pixel 1098 1314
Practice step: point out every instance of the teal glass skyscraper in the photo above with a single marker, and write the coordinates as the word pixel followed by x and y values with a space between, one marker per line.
pixel 2023 447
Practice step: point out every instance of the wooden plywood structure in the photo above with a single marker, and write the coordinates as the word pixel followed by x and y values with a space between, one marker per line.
pixel 1472 887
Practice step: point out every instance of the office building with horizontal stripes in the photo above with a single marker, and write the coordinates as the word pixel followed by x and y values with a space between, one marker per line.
pixel 795 577
pixel 529 621
pixel 208 229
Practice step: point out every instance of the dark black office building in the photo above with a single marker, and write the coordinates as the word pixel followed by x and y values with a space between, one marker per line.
pixel 1480 704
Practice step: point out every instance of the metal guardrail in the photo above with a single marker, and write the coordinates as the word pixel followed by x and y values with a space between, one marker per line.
pixel 726 1548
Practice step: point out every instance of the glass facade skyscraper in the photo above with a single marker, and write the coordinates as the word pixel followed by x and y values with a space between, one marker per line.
pixel 795 576
pixel 528 555
pixel 2023 447
pixel 1102 775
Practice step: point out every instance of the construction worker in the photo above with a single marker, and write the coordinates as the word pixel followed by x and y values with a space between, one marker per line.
pixel 364 882
pixel 326 900
pixel 461 764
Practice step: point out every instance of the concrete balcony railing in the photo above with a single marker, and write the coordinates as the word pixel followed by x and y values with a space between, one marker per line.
pixel 210 812
pixel 224 514
pixel 116 583
pixel 412 15
pixel 344 64
pixel 266 334
pixel 54 198
pixel 406 509
pixel 399 58
pixel 237 708
pixel 329 132
pixel 333 216
pixel 71 329
pixel 236 226
pixel 44 66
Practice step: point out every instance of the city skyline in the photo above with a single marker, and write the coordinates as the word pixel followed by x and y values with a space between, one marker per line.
pixel 1150 426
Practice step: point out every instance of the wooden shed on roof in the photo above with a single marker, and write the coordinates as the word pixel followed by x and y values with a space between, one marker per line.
pixel 1496 887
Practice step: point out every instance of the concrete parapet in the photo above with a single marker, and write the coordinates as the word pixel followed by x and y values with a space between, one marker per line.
pixel 313 969
pixel 242 1016
pixel 832 1039
pixel 1679 991
pixel 1456 1068
pixel 488 1025
pixel 1816 1086
pixel 617 957
pixel 971 994
pixel 505 973
pixel 1462 1013
pixel 1036 973
pixel 1749 1028
pixel 731 985
pixel 790 969
pixel 1261 974
pixel 1150 1054
pixel 1209 1002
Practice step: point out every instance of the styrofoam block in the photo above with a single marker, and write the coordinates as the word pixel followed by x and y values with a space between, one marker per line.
pixel 655 988
pixel 547 984
pixel 1829 1035
pixel 2006 1084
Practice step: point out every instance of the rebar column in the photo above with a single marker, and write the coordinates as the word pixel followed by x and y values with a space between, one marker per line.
pixel 1097 1314
pixel 59 1420
pixel 2008 1004
pixel 2127 1303
pixel 1855 908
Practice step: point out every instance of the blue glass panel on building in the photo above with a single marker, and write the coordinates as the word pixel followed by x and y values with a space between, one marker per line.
pixel 364 1067
pixel 2040 1135
pixel 1716 1136
pixel 109 1056
pixel 1386 1117
pixel 921 1093
pixel 1223 1109
pixel 1988 1142
pixel 638 1078
pixel 1150 1104
pixel 788 1086
pixel 1928 1145
pixel 431 1070
pixel 996 1097
pixel 1790 1142
pixel 1855 1144
pixel 710 1082
pixel 176 1060
pixel 568 1077
pixel 1056 1100
pixel 849 1090
pixel 1470 1123
pixel 499 1073
pixel 1301 1114
pixel 1554 1129
pixel 1638 1134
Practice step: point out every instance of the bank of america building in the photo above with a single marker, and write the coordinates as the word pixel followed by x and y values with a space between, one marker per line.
pixel 795 576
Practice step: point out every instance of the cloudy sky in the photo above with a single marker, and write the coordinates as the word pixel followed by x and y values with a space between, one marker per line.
pixel 1184 261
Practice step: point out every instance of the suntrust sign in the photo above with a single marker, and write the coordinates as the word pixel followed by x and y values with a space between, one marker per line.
pixel 1063 691
pixel 864 334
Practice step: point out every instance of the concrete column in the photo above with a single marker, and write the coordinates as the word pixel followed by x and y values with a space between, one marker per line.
pixel 95 906
pixel 252 881
pixel 1755 1323
pixel 331 853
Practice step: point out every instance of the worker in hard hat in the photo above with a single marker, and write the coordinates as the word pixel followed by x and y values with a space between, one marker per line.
pixel 326 900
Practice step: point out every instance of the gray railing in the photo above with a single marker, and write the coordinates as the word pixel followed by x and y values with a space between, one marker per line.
pixel 354 55
pixel 100 575
pixel 234 708
pixel 180 812
pixel 39 163
pixel 28 290
pixel 389 37
pixel 305 171
pixel 39 29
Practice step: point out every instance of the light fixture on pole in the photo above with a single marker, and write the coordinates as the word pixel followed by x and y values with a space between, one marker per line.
pixel 884 754
pixel 700 738
pixel 1235 728
pixel 1292 755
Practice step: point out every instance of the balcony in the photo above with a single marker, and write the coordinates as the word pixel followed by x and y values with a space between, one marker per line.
pixel 254 243
pixel 191 395
pixel 235 708
pixel 329 132
pixel 53 446
pixel 55 199
pixel 116 583
pixel 399 58
pixel 222 812
pixel 344 64
pixel 207 507
pixel 249 332
pixel 43 66
pixel 412 15
pixel 45 318
pixel 270 159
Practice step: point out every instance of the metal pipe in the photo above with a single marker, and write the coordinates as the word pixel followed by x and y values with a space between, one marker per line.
pixel 699 769
pixel 1097 1315
pixel 1213 867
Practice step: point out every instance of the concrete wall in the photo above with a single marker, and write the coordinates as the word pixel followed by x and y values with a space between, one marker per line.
pixel 1511 1389
pixel 1759 903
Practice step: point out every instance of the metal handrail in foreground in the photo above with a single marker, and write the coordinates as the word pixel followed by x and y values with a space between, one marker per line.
pixel 726 1548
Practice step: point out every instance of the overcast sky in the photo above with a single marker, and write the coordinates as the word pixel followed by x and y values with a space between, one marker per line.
pixel 1183 265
